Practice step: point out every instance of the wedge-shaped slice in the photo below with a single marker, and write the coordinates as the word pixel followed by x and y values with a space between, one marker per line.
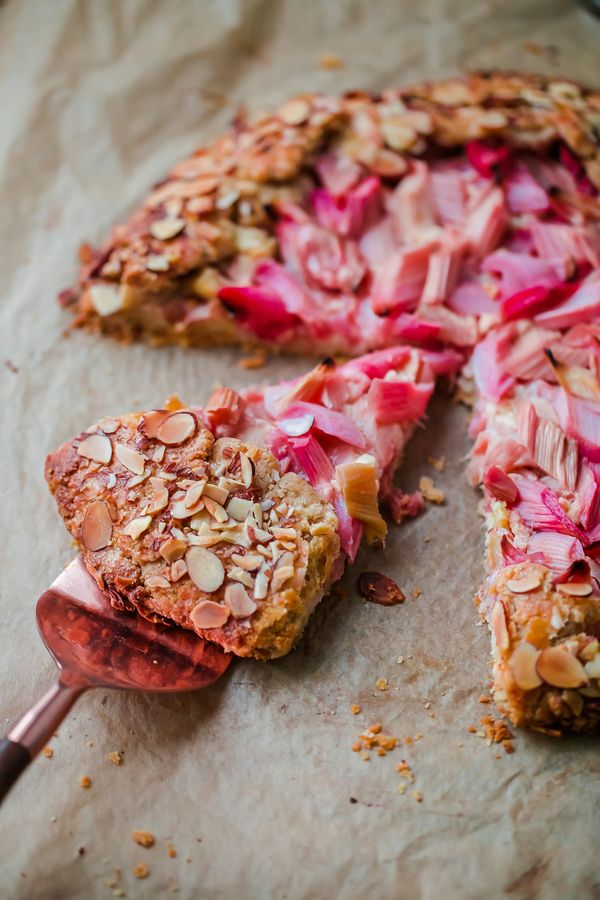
pixel 234 520
pixel 536 452
pixel 348 224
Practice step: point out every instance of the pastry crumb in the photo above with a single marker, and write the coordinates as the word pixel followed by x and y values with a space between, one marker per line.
pixel 143 838
pixel 258 361
pixel 141 870
pixel 430 491
pixel 437 463
pixel 416 592
pixel 418 796
pixel 48 752
pixel 382 684
pixel 85 781
pixel 355 709
pixel 331 61
pixel 171 851
pixel 116 757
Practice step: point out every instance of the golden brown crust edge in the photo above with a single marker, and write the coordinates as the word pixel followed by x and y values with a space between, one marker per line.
pixel 219 197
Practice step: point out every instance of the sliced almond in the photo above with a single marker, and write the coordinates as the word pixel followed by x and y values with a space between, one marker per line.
pixel 151 420
pixel 96 447
pixel 575 588
pixel 241 575
pixel 261 585
pixel 157 581
pixel 156 262
pixel 592 667
pixel 137 526
pixel 529 581
pixel 216 493
pixel 205 569
pixel 96 529
pixel 574 700
pixel 108 425
pixel 238 601
pixel 178 569
pixel 165 229
pixel 130 458
pixel 280 576
pixel 193 494
pixel 173 549
pixel 560 668
pixel 176 428
pixel 180 511
pixel 523 666
pixel 158 501
pixel 208 614
pixel 295 111
pixel 215 509
pixel 238 508
pixel 247 467
pixel 250 561
pixel 106 298
pixel 397 134
pixel 499 627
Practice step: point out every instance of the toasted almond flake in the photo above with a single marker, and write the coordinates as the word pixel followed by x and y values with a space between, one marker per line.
pixel 295 111
pixel 227 197
pixel 216 510
pixel 558 667
pixel 238 508
pixel 157 581
pixel 159 453
pixel 208 614
pixel 241 575
pixel 176 428
pixel 178 569
pixel 218 494
pixel 284 533
pixel 523 666
pixel 96 447
pixel 96 529
pixel 106 298
pixel 238 601
pixel 499 627
pixel 173 549
pixel 150 421
pixel 111 480
pixel 247 467
pixel 261 585
pixel 280 576
pixel 194 493
pixel 592 668
pixel 130 458
pixel 156 262
pixel 180 511
pixel 250 562
pixel 575 588
pixel 137 479
pixel 137 526
pixel 397 134
pixel 530 581
pixel 158 501
pixel 108 425
pixel 165 229
pixel 205 569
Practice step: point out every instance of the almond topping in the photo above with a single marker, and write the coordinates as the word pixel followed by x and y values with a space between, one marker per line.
pixel 129 458
pixel 96 447
pixel 96 529
pixel 156 581
pixel 530 581
pixel 137 526
pixel 173 549
pixel 176 428
pixel 216 493
pixel 205 569
pixel 250 562
pixel 156 262
pixel 558 667
pixel 106 298
pixel 247 467
pixel 151 420
pixel 158 501
pixel 498 626
pixel 164 229
pixel 575 588
pixel 216 510
pixel 208 614
pixel 523 666
pixel 294 112
pixel 238 601
pixel 178 569
pixel 238 508
pixel 261 585
pixel 194 493
pixel 280 576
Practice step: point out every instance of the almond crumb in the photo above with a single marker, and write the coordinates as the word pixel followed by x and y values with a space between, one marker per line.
pixel 430 491
pixel 141 870
pixel 48 752
pixel 355 709
pixel 143 838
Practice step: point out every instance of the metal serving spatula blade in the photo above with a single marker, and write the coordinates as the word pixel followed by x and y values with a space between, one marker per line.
pixel 93 645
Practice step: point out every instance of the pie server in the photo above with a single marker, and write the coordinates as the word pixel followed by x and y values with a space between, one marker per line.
pixel 95 646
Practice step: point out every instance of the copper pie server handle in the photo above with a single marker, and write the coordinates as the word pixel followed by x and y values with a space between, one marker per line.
pixel 33 731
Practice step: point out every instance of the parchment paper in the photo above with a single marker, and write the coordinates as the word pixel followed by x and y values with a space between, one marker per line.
pixel 252 780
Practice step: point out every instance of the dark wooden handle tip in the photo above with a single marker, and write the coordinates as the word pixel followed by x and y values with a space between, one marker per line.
pixel 13 759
